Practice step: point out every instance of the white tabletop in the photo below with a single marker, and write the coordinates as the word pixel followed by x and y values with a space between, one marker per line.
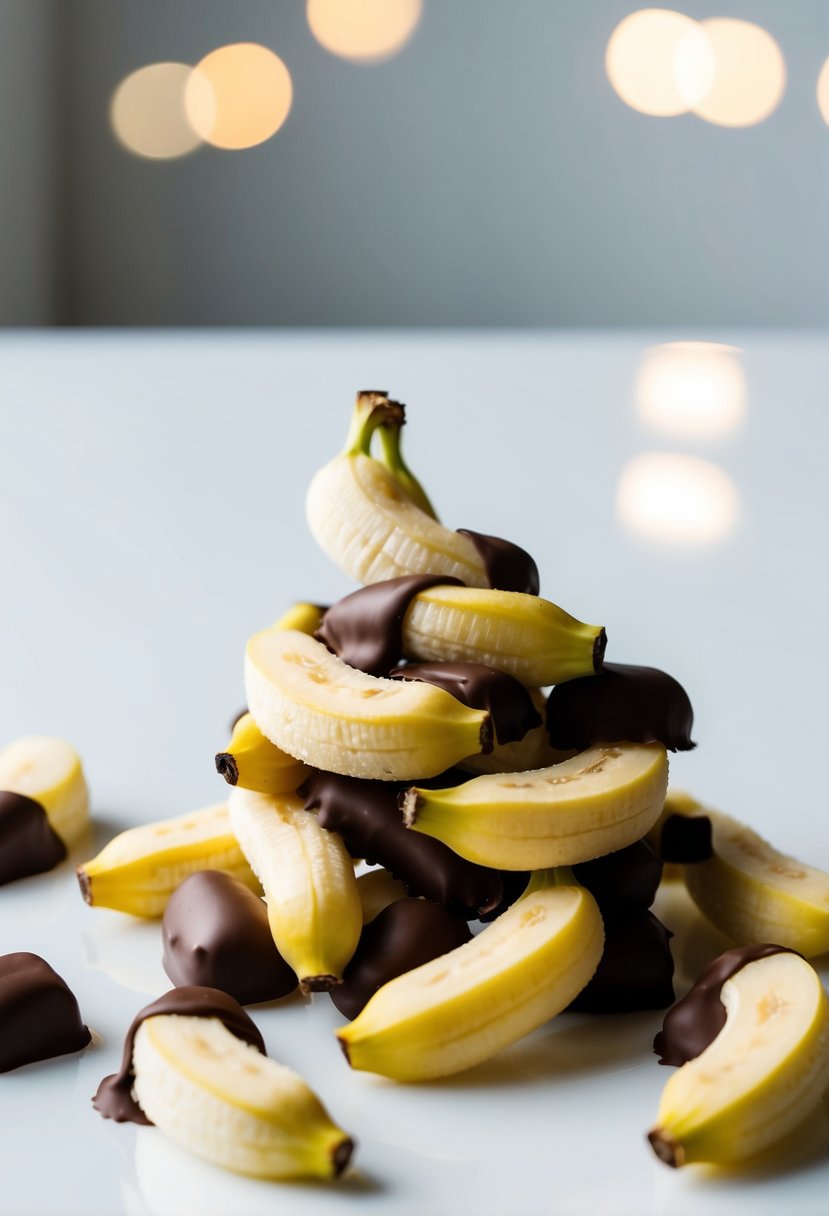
pixel 151 517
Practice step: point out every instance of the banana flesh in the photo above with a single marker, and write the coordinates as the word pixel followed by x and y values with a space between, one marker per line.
pixel 465 1006
pixel 334 717
pixel 762 1076
pixel 49 771
pixel 139 870
pixel 314 907
pixel 301 616
pixel 599 801
pixel 253 763
pixel 223 1100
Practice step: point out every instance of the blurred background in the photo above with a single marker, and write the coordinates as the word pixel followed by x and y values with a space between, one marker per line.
pixel 414 162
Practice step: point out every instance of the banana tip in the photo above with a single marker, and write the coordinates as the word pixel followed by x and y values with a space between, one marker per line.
pixel 487 736
pixel 226 767
pixel 85 885
pixel 344 1049
pixel 341 1155
pixel 410 802
pixel 599 647
pixel 318 983
pixel 667 1148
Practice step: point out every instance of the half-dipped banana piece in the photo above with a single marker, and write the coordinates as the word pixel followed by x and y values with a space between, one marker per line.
pixel 44 805
pixel 754 1037
pixel 252 762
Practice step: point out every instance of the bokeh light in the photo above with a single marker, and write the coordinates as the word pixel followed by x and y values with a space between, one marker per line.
pixel 365 31
pixel 641 62
pixel 677 499
pixel 148 113
pixel 749 73
pixel 823 91
pixel 694 390
pixel 238 95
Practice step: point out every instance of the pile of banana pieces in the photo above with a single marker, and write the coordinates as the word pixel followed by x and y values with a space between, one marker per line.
pixel 402 770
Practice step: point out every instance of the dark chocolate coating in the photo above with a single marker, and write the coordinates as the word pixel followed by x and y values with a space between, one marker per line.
pixel 365 629
pixel 114 1098
pixel 39 1015
pixel 216 935
pixel 367 817
pixel 696 1020
pixel 508 567
pixel 514 884
pixel 636 969
pixel 403 936
pixel 505 699
pixel 626 879
pixel 621 703
pixel 686 839
pixel 28 842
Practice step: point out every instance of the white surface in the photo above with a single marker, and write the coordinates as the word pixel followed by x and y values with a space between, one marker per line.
pixel 151 512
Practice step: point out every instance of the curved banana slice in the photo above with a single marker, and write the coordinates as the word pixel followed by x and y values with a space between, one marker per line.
pixel 253 763
pixel 223 1100
pixel 763 1074
pixel 753 893
pixel 48 771
pixel 139 870
pixel 599 801
pixel 334 717
pixel 314 907
pixel 465 1006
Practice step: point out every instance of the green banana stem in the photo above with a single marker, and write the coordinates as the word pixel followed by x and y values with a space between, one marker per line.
pixel 370 410
pixel 558 876
pixel 391 455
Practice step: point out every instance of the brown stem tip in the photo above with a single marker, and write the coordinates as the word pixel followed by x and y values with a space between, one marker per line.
pixel 318 983
pixel 487 736
pixel 410 804
pixel 344 1050
pixel 227 767
pixel 599 647
pixel 341 1155
pixel 85 885
pixel 667 1148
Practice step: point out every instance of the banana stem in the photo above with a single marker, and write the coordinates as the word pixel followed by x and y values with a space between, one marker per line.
pixel 390 434
pixel 370 410
pixel 558 876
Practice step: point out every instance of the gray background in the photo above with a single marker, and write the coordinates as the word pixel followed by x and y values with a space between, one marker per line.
pixel 486 175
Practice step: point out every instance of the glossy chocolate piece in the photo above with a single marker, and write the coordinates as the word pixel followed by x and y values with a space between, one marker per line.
pixel 365 629
pixel 39 1015
pixel 28 842
pixel 686 839
pixel 403 936
pixel 504 698
pixel 636 969
pixel 507 566
pixel 696 1020
pixel 367 816
pixel 114 1098
pixel 216 935
pixel 624 880
pixel 620 704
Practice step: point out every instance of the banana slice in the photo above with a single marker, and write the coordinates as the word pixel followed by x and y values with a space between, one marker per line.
pixel 314 907
pixel 761 1077
pixel 318 709
pixel 462 1008
pixel 598 802
pixel 139 870
pixel 223 1100
pixel 48 771
pixel 253 763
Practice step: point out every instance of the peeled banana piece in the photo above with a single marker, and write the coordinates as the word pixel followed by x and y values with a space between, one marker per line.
pixel 139 870
pixel 311 892
pixel 599 801
pixel 762 1076
pixel 465 1006
pixel 49 771
pixel 753 893
pixel 252 762
pixel 334 717
pixel 223 1100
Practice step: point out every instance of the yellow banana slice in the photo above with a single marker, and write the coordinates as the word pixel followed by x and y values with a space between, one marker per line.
pixel 49 771
pixel 253 763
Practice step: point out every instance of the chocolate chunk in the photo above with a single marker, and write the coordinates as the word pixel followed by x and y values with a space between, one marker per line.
pixel 621 703
pixel 696 1020
pixel 686 839
pixel 367 816
pixel 507 567
pixel 505 699
pixel 114 1098
pixel 39 1015
pixel 28 842
pixel 403 936
pixel 626 879
pixel 514 884
pixel 216 935
pixel 365 629
pixel 636 969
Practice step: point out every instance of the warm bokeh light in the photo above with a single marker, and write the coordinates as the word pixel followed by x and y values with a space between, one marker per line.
pixel 670 497
pixel 148 113
pixel 641 61
pixel 363 30
pixel 238 95
pixel 694 390
pixel 749 73
pixel 823 91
